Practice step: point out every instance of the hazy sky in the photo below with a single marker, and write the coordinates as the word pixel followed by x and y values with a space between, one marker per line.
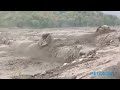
pixel 117 13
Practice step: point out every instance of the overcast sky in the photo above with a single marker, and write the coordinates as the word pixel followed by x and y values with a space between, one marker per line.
pixel 117 13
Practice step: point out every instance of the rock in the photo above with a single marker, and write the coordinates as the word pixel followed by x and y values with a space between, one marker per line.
pixel 45 40
pixel 65 64
pixel 74 61
pixel 103 29
pixel 80 59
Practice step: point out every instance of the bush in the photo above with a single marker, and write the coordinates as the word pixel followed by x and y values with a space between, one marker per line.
pixel 47 19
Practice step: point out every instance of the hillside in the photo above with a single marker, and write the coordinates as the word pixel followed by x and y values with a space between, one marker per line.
pixel 48 19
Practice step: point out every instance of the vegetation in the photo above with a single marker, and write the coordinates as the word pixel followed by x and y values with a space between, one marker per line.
pixel 48 19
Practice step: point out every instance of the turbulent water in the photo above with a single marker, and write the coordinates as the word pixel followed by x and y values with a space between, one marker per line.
pixel 21 55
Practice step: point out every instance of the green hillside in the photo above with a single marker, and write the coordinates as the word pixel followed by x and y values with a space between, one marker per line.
pixel 48 19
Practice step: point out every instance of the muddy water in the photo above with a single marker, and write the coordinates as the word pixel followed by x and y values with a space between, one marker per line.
pixel 14 65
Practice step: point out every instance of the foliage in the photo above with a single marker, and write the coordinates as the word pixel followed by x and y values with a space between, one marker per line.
pixel 48 19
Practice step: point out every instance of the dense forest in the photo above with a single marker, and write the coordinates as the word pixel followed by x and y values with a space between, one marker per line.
pixel 51 19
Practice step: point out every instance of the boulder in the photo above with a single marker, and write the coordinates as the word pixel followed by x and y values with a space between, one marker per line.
pixel 103 29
